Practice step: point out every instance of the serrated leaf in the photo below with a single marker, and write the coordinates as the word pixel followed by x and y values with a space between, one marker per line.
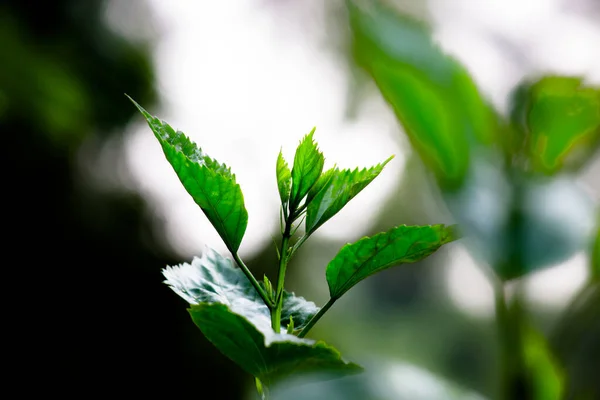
pixel 268 358
pixel 308 165
pixel 284 179
pixel 214 279
pixel 369 255
pixel 563 120
pixel 432 95
pixel 211 184
pixel 334 190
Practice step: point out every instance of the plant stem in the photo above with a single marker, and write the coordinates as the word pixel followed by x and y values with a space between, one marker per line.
pixel 317 317
pixel 283 260
pixel 252 279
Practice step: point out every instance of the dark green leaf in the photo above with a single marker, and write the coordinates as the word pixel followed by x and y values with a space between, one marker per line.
pixel 308 165
pixel 214 279
pixel 284 179
pixel 334 190
pixel 268 357
pixel 211 185
pixel 402 244
pixel 563 120
pixel 433 96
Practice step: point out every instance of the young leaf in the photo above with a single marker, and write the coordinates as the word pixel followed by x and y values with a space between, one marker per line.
pixel 284 179
pixel 308 165
pixel 334 190
pixel 211 185
pixel 402 244
pixel 214 279
pixel 269 357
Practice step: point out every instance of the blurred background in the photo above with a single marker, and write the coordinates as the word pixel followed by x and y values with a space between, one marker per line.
pixel 101 212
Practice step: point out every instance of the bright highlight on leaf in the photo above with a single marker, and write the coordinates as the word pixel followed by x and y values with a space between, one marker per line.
pixel 369 255
pixel 211 184
pixel 268 360
pixel 334 190
pixel 308 165
pixel 213 279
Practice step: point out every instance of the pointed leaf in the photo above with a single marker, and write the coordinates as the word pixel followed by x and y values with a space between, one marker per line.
pixel 268 357
pixel 284 179
pixel 335 190
pixel 308 165
pixel 402 244
pixel 211 185
pixel 214 279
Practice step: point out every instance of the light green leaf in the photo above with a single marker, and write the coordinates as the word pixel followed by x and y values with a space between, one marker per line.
pixel 432 95
pixel 545 374
pixel 402 244
pixel 308 165
pixel 271 357
pixel 284 179
pixel 334 190
pixel 211 185
pixel 563 120
pixel 214 279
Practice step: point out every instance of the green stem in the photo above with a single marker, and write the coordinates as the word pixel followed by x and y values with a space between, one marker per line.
pixel 252 279
pixel 283 260
pixel 317 317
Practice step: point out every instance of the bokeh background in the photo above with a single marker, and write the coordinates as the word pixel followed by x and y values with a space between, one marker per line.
pixel 98 211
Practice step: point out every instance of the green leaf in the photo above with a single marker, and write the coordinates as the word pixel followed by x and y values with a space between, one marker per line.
pixel 269 357
pixel 308 165
pixel 214 279
pixel 334 190
pixel 297 309
pixel 211 185
pixel 544 373
pixel 563 123
pixel 432 95
pixel 402 244
pixel 284 179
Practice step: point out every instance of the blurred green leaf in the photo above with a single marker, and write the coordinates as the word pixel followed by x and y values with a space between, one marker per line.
pixel 211 185
pixel 563 119
pixel 308 165
pixel 284 179
pixel 334 190
pixel 369 255
pixel 557 121
pixel 432 95
pixel 214 279
pixel 268 358
pixel 542 369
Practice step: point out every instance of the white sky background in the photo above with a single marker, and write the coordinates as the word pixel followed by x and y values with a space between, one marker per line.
pixel 243 81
